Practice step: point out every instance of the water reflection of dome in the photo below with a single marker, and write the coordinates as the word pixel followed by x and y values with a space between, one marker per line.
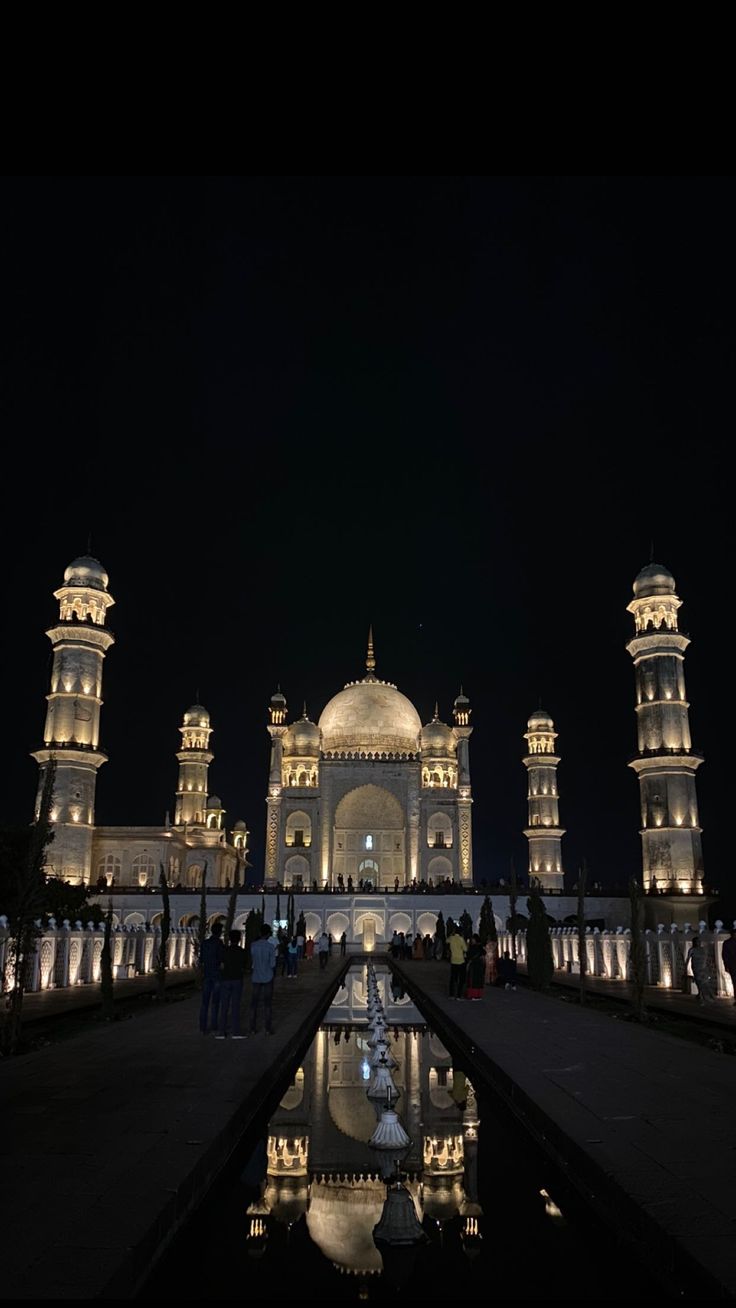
pixel 352 1112
pixel 341 1218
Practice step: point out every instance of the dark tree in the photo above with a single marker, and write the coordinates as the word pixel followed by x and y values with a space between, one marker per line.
pixel 638 962
pixel 582 951
pixel 253 924
pixel 69 903
pixel 106 981
pixel 512 908
pixel 465 924
pixel 29 899
pixel 232 905
pixel 540 966
pixel 162 963
pixel 487 926
pixel 301 925
pixel 202 926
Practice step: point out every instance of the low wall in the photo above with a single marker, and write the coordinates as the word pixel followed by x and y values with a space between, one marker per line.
pixel 608 954
pixel 69 955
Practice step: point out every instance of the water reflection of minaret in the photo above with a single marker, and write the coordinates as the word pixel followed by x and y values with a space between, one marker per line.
pixel 470 1209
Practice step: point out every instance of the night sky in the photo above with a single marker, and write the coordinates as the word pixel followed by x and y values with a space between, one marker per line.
pixel 458 408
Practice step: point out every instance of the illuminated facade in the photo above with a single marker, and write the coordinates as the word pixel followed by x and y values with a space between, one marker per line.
pixel 666 762
pixel 123 857
pixel 369 794
pixel 544 832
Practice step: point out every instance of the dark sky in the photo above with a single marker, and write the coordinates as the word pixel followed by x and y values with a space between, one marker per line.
pixel 457 408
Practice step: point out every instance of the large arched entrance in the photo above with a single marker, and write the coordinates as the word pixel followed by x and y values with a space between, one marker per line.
pixel 369 838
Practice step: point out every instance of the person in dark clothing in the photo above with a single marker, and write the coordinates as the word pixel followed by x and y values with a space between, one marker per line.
pixel 231 986
pixel 213 953
pixel 507 971
pixel 476 968
pixel 343 945
pixel 282 950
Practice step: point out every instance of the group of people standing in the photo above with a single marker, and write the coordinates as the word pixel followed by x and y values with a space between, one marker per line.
pixel 224 967
pixel 223 976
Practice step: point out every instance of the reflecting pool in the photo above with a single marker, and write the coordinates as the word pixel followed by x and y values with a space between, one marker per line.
pixel 384 1171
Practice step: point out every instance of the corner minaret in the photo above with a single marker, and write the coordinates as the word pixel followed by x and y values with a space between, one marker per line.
pixel 461 717
pixel 194 758
pixel 277 729
pixel 71 735
pixel 666 763
pixel 544 832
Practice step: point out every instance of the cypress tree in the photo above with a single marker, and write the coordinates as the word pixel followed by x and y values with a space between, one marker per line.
pixel 465 924
pixel 512 908
pixel 637 952
pixel 29 907
pixel 232 905
pixel 106 981
pixel 540 966
pixel 582 951
pixel 162 963
pixel 487 926
pixel 202 926
pixel 440 936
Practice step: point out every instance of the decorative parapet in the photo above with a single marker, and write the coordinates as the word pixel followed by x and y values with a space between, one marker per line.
pixel 608 954
pixel 69 955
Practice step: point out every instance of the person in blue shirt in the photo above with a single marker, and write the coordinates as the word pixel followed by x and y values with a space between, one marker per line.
pixel 263 958
pixel 213 954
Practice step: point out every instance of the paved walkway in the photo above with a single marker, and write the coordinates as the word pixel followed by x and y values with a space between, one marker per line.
pixel 44 1004
pixel 110 1138
pixel 721 1011
pixel 644 1120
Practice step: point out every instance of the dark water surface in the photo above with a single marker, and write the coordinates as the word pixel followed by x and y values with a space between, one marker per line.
pixel 292 1216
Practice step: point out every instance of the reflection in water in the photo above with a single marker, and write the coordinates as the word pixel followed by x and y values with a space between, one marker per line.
pixel 336 1155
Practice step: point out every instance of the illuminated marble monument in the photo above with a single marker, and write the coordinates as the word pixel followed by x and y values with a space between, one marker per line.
pixel 368 793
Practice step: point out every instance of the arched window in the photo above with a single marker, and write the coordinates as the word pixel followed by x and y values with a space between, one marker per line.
pixel 298 829
pixel 109 868
pixel 143 870
pixel 439 831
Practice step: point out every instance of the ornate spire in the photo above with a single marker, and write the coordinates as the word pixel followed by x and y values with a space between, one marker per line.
pixel 370 661
pixel 436 717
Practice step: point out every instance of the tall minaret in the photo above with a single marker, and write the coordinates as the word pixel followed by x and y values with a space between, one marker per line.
pixel 194 758
pixel 79 641
pixel 544 832
pixel 666 764
pixel 277 729
pixel 461 717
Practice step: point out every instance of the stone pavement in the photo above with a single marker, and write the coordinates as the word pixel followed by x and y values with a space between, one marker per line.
pixel 644 1121
pixel 721 1011
pixel 112 1137
pixel 44 1004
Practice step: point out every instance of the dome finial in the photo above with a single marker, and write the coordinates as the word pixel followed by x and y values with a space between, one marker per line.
pixel 436 717
pixel 370 661
pixel 304 710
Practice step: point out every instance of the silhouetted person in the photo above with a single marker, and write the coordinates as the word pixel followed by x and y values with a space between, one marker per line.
pixel 213 953
pixel 264 964
pixel 231 986
pixel 507 971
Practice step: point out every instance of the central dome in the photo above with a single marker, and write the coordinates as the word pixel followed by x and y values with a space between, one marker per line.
pixel 371 717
